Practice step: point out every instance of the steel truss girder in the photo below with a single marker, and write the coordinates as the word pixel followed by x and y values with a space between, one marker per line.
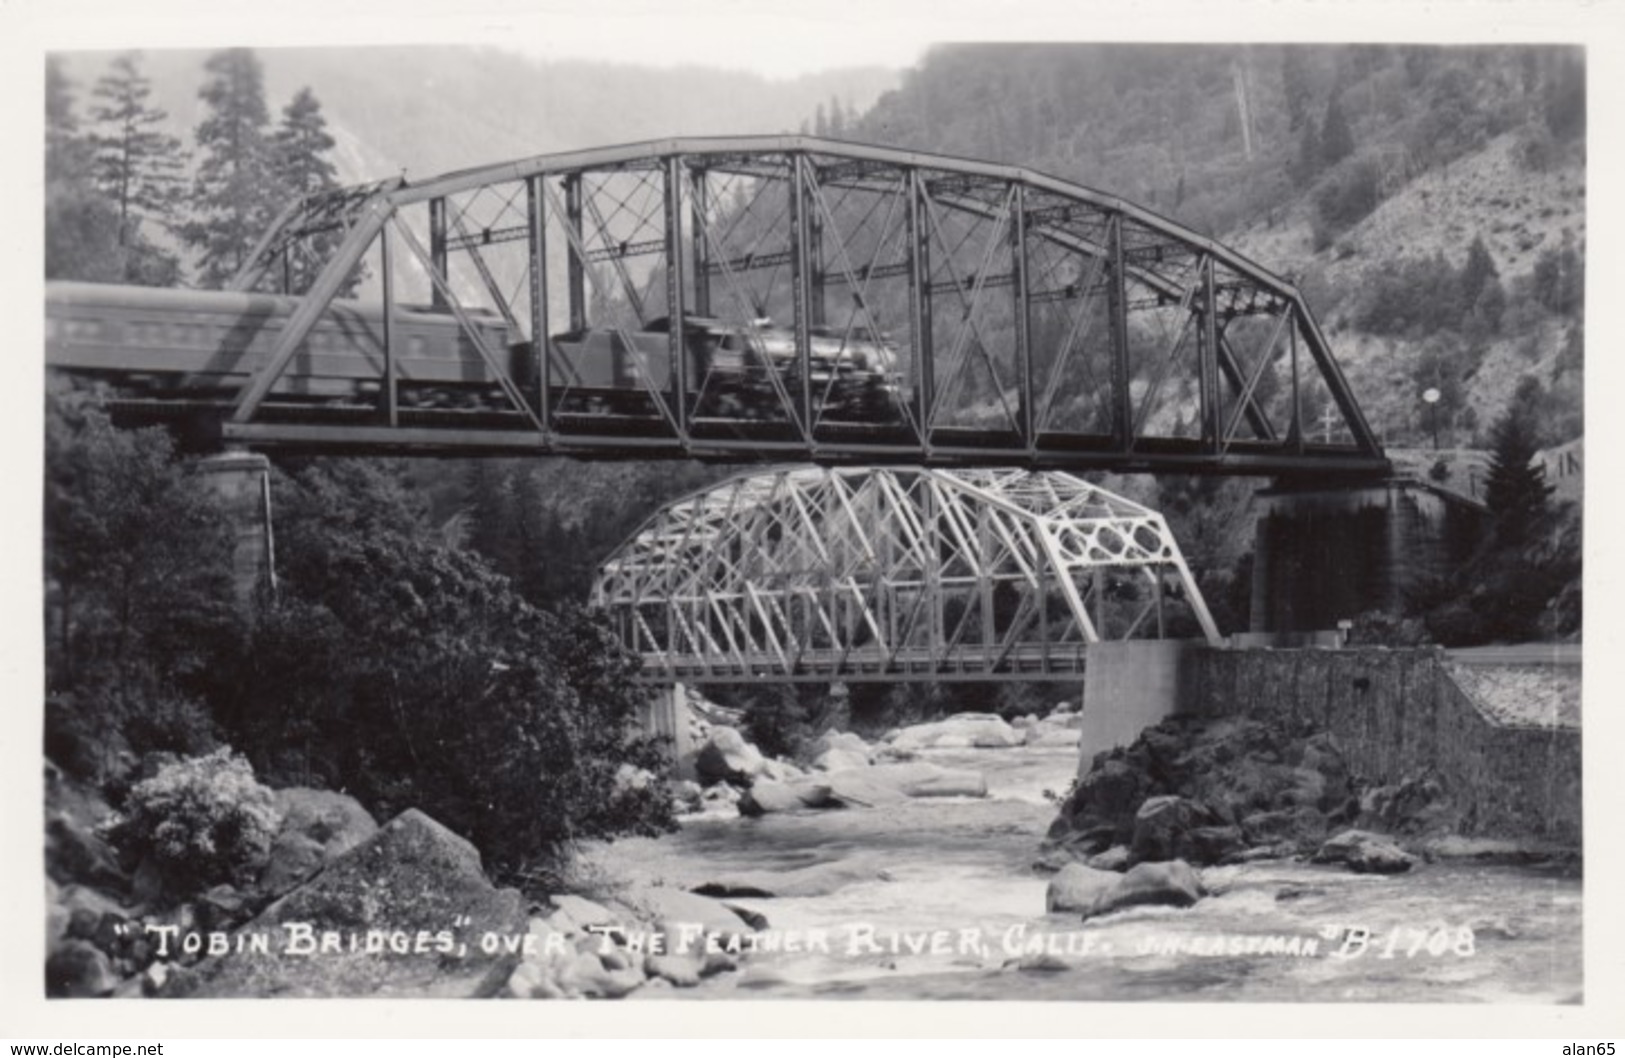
pixel 938 254
pixel 862 573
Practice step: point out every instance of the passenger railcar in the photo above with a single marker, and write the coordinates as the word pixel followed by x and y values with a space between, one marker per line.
pixel 204 344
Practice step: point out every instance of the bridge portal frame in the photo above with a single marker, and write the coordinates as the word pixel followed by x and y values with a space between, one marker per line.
pixel 1188 322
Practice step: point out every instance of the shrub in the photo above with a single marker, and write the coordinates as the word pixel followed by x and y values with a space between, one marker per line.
pixel 201 821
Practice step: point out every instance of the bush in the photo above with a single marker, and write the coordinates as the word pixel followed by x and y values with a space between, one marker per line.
pixel 411 674
pixel 201 821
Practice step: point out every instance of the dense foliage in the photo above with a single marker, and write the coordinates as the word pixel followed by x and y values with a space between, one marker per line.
pixel 140 609
pixel 412 674
pixel 389 663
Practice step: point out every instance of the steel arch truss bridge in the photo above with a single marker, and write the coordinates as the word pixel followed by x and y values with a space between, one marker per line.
pixel 803 299
pixel 822 574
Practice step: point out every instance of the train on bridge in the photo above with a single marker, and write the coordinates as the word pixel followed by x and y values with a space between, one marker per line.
pixel 151 344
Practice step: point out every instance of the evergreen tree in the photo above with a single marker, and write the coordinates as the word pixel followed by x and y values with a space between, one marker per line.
pixel 236 194
pixel 300 152
pixel 137 168
pixel 81 227
pixel 137 165
pixel 1336 138
pixel 1516 490
pixel 837 118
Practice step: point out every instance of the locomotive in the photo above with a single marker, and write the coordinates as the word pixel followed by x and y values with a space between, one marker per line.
pixel 155 343
pixel 735 371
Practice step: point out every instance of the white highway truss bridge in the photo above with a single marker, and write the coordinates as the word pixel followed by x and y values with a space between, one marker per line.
pixel 817 574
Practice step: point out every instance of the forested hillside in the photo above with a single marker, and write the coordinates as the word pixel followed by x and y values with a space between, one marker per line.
pixel 1430 201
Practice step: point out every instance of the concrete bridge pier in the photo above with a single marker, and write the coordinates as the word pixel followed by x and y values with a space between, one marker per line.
pixel 1324 555
pixel 667 714
pixel 1130 685
pixel 242 481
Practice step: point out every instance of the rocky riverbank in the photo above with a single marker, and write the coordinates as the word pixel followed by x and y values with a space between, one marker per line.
pixel 861 862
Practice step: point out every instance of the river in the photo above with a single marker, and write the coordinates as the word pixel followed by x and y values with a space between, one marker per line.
pixel 937 899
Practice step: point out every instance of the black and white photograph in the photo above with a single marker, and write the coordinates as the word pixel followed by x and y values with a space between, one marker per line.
pixel 785 511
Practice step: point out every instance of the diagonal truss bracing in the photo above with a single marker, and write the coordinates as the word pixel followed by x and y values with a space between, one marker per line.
pixel 895 573
pixel 1034 322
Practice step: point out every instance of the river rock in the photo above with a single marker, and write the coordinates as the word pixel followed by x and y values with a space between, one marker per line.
pixel 682 971
pixel 1301 826
pixel 317 827
pixel 1164 829
pixel 77 969
pixel 766 796
pixel 412 875
pixel 1117 858
pixel 846 741
pixel 837 759
pixel 818 879
pixel 74 852
pixel 779 770
pixel 1172 884
pixel 1364 853
pixel 576 914
pixel 1415 805
pixel 727 757
pixel 713 917
pixel 686 795
pixel 1077 887
pixel 1046 736
pixel 960 731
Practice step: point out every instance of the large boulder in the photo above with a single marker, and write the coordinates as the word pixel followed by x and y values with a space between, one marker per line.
pixel 1364 853
pixel 727 757
pixel 1172 884
pixel 960 731
pixel 1077 887
pixel 317 827
pixel 414 884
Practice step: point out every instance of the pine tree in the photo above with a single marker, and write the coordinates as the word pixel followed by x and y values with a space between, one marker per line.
pixel 136 165
pixel 237 196
pixel 1516 490
pixel 300 151
pixel 137 169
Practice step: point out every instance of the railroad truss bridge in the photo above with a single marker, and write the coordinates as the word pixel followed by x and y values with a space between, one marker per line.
pixel 737 300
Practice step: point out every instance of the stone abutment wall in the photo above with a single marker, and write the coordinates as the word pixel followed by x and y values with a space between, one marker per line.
pixel 1398 713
